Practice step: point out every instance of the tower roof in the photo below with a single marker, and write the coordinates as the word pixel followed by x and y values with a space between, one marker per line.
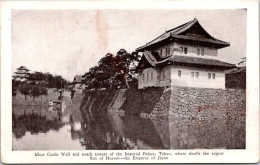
pixel 23 68
pixel 191 31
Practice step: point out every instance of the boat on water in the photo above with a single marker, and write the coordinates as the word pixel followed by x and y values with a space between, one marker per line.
pixel 50 103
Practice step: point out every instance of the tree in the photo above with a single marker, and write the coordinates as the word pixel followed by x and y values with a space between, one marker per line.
pixel 97 78
pixel 43 90
pixel 59 82
pixel 38 90
pixel 113 71
pixel 15 86
pixel 35 92
pixel 25 89
pixel 52 81
pixel 37 76
pixel 126 64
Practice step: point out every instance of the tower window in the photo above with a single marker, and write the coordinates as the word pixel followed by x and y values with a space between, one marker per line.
pixel 202 52
pixel 181 49
pixel 213 75
pixel 162 75
pixel 197 74
pixel 198 51
pixel 179 73
pixel 192 74
pixel 168 51
pixel 209 75
pixel 185 50
pixel 163 53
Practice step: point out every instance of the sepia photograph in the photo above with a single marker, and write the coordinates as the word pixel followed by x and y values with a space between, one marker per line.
pixel 160 79
pixel 129 82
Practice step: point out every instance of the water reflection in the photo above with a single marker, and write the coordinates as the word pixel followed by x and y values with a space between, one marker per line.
pixel 33 120
pixel 39 128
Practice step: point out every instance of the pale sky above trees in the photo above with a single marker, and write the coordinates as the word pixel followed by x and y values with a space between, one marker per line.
pixel 69 42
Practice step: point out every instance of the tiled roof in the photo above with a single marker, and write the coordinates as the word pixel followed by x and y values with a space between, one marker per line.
pixel 198 61
pixel 23 68
pixel 21 72
pixel 177 33
pixel 182 60
pixel 198 38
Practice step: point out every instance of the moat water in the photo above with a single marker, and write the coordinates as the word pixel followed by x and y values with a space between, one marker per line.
pixel 44 128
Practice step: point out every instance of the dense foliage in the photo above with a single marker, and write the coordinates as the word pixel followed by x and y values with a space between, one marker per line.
pixel 15 86
pixel 32 90
pixel 37 84
pixel 113 71
pixel 51 81
pixel 25 89
pixel 38 90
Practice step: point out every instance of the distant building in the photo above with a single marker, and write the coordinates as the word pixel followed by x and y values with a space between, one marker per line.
pixel 242 63
pixel 78 84
pixel 183 56
pixel 22 74
pixel 236 78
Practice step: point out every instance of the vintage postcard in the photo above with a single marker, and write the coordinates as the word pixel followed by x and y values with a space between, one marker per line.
pixel 130 82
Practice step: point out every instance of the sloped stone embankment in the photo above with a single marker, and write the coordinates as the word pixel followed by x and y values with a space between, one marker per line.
pixel 174 102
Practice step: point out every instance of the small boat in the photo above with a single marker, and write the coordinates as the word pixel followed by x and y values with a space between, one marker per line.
pixel 50 103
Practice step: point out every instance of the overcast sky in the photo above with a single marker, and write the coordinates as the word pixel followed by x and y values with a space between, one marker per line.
pixel 69 42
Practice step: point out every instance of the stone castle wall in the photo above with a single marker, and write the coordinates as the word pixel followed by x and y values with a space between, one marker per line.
pixel 130 101
pixel 155 102
pixel 174 102
pixel 207 103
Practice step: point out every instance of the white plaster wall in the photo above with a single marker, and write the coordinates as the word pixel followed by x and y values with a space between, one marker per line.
pixel 192 51
pixel 163 48
pixel 201 82
pixel 165 81
pixel 150 82
pixel 186 80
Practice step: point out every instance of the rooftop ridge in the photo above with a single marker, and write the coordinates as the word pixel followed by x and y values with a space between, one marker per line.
pixel 192 21
pixel 180 32
pixel 172 30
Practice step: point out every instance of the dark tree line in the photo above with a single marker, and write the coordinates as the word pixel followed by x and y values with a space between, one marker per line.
pixel 29 90
pixel 113 71
pixel 38 84
pixel 51 81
